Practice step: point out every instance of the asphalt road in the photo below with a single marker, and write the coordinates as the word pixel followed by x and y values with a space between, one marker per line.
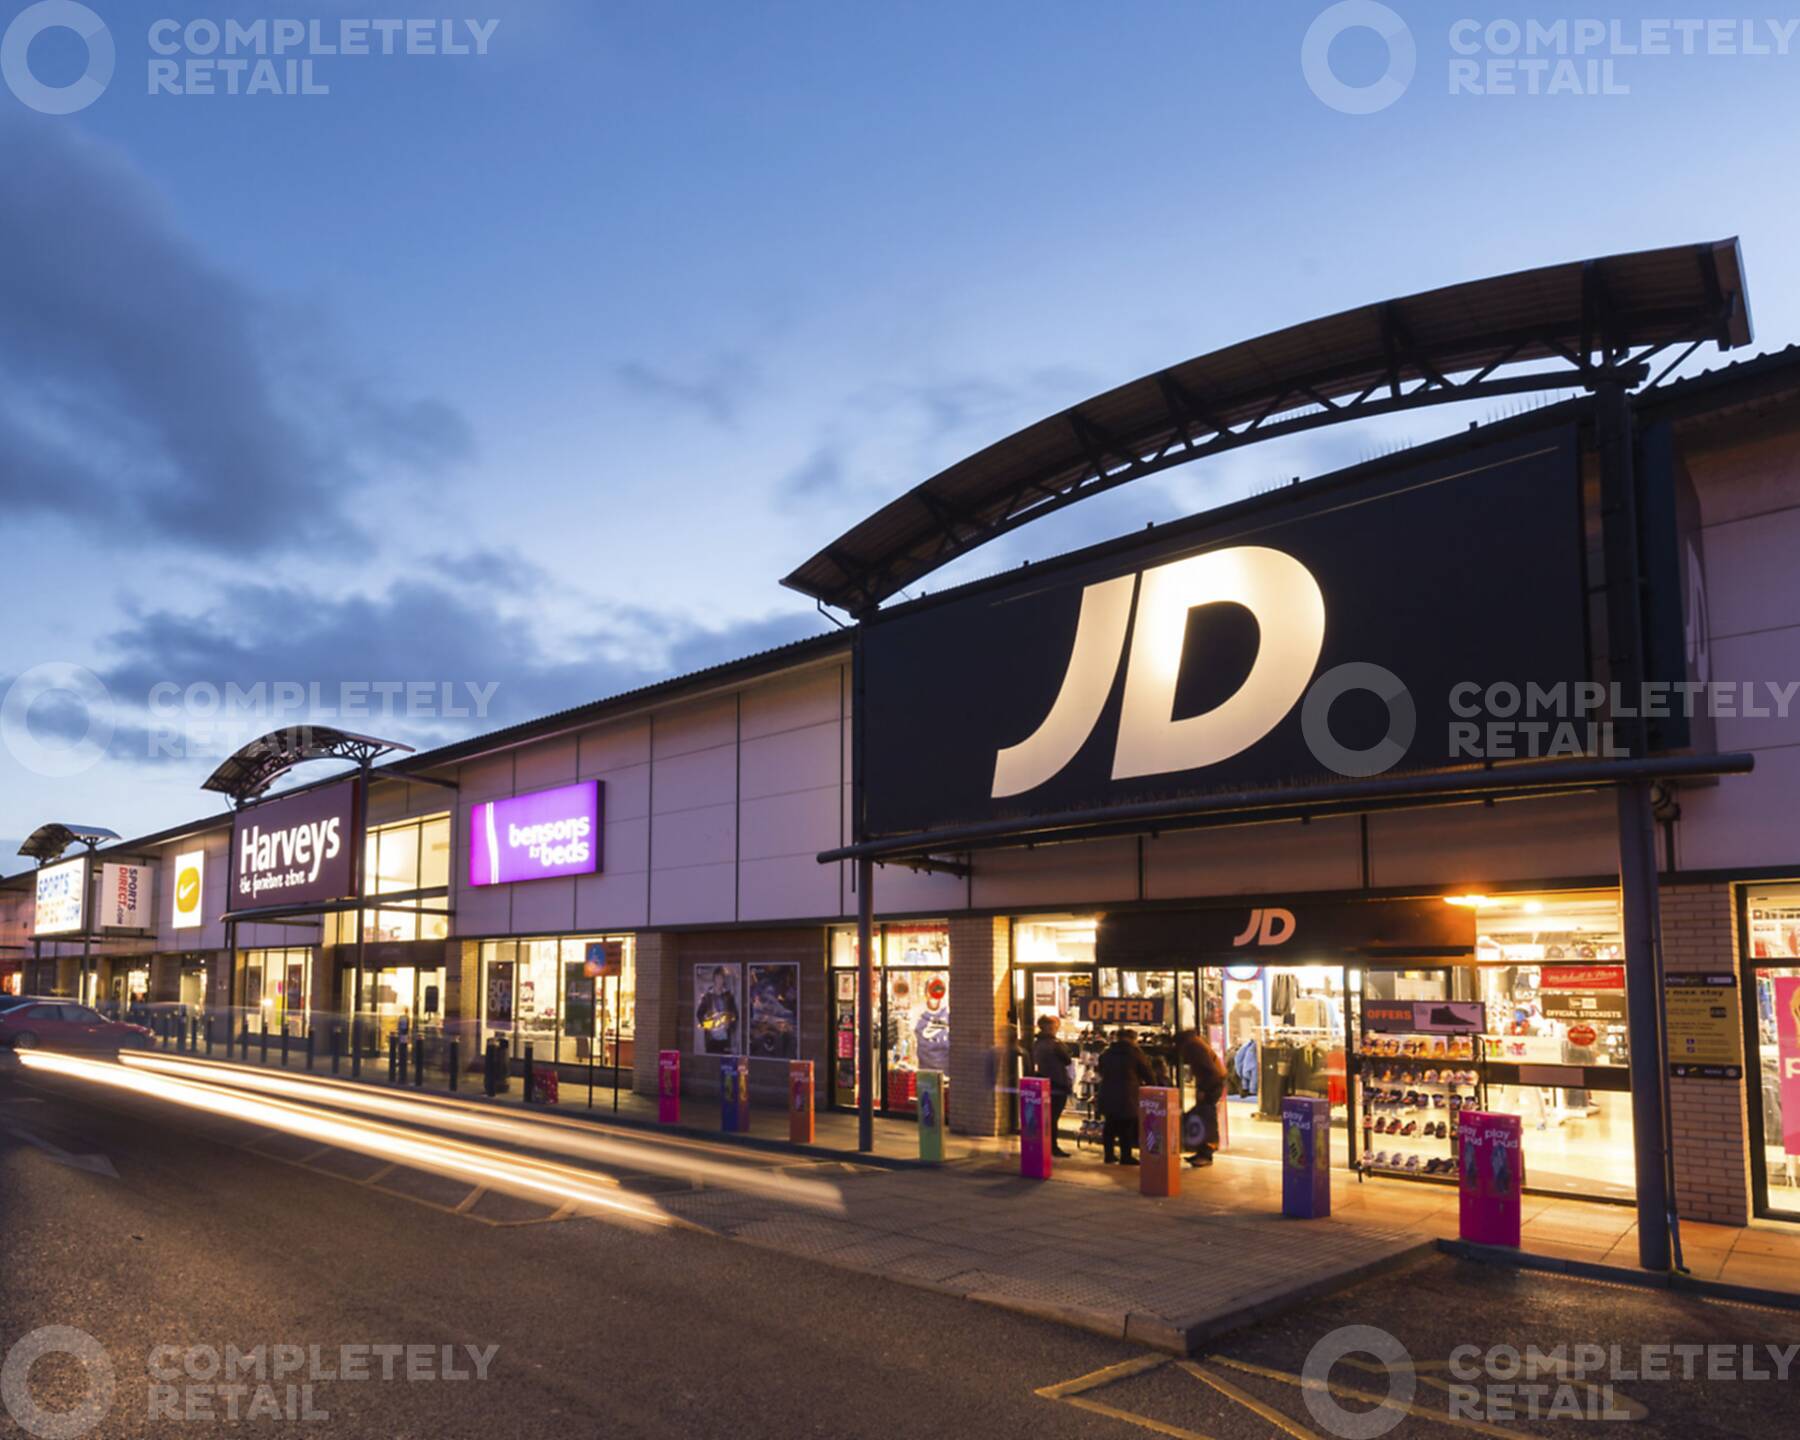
pixel 173 1236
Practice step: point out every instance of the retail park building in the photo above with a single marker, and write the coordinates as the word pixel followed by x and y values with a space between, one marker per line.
pixel 669 840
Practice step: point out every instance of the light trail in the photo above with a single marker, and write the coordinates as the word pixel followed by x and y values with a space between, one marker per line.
pixel 674 1156
pixel 479 1165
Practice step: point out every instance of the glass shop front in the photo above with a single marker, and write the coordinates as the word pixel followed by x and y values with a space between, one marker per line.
pixel 1769 916
pixel 912 1012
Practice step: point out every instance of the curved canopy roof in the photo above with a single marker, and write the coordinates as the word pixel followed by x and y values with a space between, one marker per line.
pixel 1597 320
pixel 49 841
pixel 258 764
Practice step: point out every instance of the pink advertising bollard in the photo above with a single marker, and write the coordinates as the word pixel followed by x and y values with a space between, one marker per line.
pixel 800 1102
pixel 1034 1128
pixel 1491 1163
pixel 668 1087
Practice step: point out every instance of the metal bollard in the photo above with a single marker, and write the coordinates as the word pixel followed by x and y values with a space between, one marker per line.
pixel 355 1048
pixel 419 1061
pixel 284 1044
pixel 451 1047
pixel 393 1062
pixel 228 1037
pixel 209 1034
pixel 490 1069
pixel 309 1047
pixel 262 1046
pixel 337 1047
pixel 528 1076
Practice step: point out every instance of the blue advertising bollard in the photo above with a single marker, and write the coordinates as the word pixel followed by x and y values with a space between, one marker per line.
pixel 734 1094
pixel 1305 1157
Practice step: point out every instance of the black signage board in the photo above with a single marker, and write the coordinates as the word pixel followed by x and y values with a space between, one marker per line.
pixel 1147 1010
pixel 1464 568
pixel 1298 934
pixel 295 850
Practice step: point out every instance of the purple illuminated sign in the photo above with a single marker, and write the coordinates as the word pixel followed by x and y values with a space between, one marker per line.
pixel 536 836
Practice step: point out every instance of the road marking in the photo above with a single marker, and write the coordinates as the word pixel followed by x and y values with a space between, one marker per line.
pixel 1248 1401
pixel 1455 1422
pixel 1071 1392
pixel 93 1164
pixel 1137 1365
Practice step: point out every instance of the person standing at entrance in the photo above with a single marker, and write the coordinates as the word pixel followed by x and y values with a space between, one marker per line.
pixel 1124 1071
pixel 1199 1059
pixel 1053 1061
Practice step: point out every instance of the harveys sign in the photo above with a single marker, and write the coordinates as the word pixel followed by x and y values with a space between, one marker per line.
pixel 300 850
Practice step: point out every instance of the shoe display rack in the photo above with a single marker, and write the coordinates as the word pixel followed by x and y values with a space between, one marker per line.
pixel 1411 1091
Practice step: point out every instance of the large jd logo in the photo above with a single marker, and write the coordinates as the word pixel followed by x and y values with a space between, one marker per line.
pixel 1274 926
pixel 1290 613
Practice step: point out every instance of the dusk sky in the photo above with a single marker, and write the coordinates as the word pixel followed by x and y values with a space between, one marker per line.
pixel 533 371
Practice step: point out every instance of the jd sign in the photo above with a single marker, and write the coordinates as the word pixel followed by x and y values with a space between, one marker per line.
pixel 1275 588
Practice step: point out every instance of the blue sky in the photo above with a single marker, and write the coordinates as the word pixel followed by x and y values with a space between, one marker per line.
pixel 537 369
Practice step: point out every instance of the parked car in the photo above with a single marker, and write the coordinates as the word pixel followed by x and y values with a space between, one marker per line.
pixel 51 1024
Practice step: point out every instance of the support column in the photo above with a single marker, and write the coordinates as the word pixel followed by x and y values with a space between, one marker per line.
pixel 980 1025
pixel 865 1006
pixel 1709 1118
pixel 656 954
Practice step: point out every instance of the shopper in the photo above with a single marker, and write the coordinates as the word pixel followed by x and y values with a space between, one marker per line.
pixel 1124 1070
pixel 1053 1061
pixel 1203 1063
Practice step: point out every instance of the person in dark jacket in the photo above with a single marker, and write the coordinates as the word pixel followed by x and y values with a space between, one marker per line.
pixel 1053 1061
pixel 1124 1070
pixel 1202 1062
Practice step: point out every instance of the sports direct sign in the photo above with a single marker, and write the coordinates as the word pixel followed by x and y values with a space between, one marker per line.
pixel 536 836
pixel 298 851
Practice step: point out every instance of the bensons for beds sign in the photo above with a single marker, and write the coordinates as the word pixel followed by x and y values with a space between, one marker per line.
pixel 296 851
pixel 536 836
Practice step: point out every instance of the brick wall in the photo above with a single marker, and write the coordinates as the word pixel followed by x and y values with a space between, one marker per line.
pixel 980 962
pixel 1712 1150
pixel 738 948
pixel 656 957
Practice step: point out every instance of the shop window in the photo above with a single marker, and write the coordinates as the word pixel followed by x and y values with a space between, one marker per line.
pixel 1772 943
pixel 399 859
pixel 278 988
pixel 1550 970
pixel 572 999
pixel 912 1011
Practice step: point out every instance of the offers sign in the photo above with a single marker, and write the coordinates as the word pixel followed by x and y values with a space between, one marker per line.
pixel 536 836
pixel 125 897
pixel 297 851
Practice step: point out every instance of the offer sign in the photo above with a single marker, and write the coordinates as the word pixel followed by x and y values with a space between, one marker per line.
pixel 1491 1161
pixel 1787 1037
pixel 1705 1026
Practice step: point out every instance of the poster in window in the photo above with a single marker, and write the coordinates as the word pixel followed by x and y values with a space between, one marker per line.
pixel 774 1010
pixel 500 993
pixel 718 1011
pixel 578 1001
pixel 294 996
pixel 846 987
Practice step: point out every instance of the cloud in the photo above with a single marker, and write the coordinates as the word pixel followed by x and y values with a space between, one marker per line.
pixel 139 382
pixel 718 393
pixel 477 646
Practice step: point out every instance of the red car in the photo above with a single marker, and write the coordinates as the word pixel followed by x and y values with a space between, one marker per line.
pixel 31 1022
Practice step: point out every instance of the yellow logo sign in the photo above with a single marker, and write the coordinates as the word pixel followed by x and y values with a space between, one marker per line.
pixel 187 891
pixel 190 884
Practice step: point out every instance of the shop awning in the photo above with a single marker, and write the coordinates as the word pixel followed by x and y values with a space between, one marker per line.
pixel 1580 323
pixel 1521 780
